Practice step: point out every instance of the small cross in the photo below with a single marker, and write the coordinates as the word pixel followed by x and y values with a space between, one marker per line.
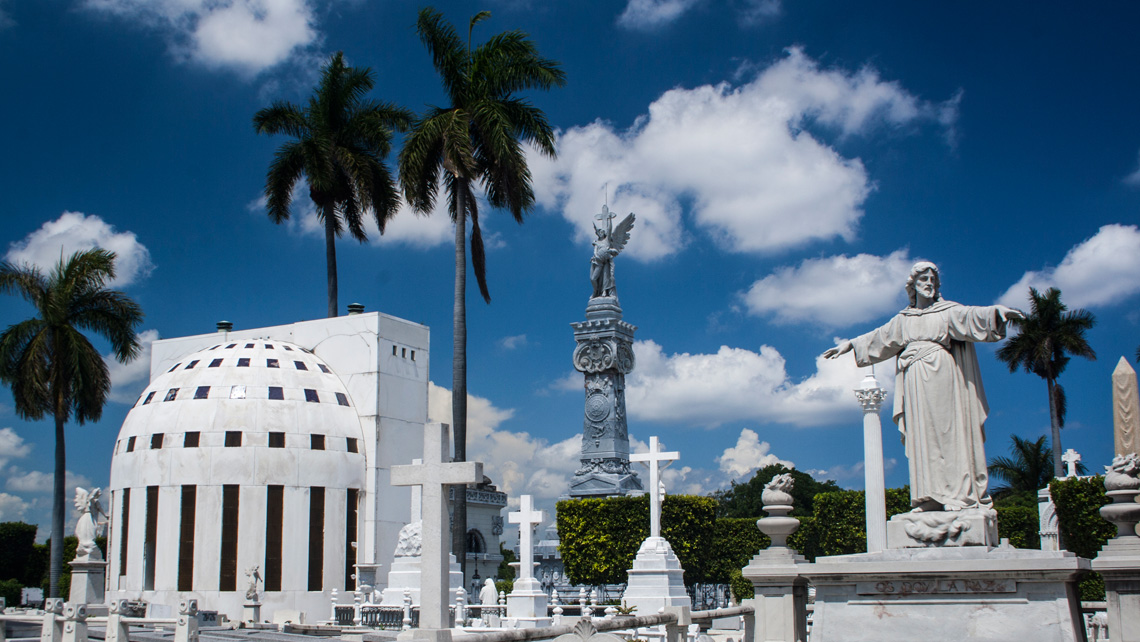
pixel 605 214
pixel 653 460
pixel 1071 459
pixel 433 476
pixel 527 518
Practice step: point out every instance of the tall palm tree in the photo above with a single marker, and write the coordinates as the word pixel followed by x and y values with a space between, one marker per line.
pixel 340 141
pixel 50 364
pixel 1028 468
pixel 1045 339
pixel 477 138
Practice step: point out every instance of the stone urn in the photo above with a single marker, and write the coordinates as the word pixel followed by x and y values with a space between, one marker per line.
pixel 778 503
pixel 1122 484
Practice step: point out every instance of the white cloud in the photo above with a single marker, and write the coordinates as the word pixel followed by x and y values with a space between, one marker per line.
pixel 129 379
pixel 244 35
pixel 747 455
pixel 1099 271
pixel 735 384
pixel 757 180
pixel 38 482
pixel 75 231
pixel 1132 179
pixel 757 11
pixel 512 342
pixel 5 19
pixel 12 446
pixel 650 14
pixel 12 508
pixel 834 292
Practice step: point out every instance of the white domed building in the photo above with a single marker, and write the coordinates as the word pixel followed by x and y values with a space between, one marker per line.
pixel 267 448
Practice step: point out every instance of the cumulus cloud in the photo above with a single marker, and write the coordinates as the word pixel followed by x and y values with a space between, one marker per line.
pixel 129 379
pixel 650 14
pixel 512 342
pixel 75 231
pixel 12 508
pixel 1099 271
pixel 833 292
pixel 38 482
pixel 748 454
pixel 756 11
pixel 247 36
pixel 741 158
pixel 736 384
pixel 12 446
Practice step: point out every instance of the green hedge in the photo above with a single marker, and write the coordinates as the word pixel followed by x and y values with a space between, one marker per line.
pixel 1019 524
pixel 1083 530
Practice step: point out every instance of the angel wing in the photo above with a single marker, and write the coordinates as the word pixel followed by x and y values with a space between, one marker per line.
pixel 620 235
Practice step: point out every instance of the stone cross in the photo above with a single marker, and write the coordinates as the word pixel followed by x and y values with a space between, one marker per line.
pixel 1071 459
pixel 433 476
pixel 527 518
pixel 653 460
pixel 1125 409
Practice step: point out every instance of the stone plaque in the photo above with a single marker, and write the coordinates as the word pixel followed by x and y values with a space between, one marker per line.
pixel 933 586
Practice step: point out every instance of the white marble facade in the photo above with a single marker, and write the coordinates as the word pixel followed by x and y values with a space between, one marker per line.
pixel 338 422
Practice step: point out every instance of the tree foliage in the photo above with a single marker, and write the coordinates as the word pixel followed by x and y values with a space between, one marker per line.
pixel 18 554
pixel 1027 470
pixel 743 500
pixel 1083 530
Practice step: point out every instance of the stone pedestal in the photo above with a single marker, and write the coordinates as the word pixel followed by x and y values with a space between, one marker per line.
pixel 780 595
pixel 970 593
pixel 87 582
pixel 251 612
pixel 405 574
pixel 1119 565
pixel 526 603
pixel 656 579
pixel 969 527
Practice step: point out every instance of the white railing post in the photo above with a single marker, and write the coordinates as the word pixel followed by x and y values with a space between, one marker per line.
pixel 52 629
pixel 186 628
pixel 116 630
pixel 333 599
pixel 357 616
pixel 407 623
pixel 460 607
pixel 75 623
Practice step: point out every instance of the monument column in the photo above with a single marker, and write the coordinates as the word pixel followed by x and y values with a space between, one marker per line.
pixel 871 397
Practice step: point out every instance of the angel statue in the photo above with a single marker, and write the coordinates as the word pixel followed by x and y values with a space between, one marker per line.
pixel 87 527
pixel 609 243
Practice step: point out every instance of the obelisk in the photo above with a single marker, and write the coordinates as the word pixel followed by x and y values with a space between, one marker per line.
pixel 1125 409
pixel 604 355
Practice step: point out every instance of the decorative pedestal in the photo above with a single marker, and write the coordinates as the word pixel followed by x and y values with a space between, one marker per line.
pixel 780 595
pixel 1119 561
pixel 87 582
pixel 656 579
pixel 969 527
pixel 405 574
pixel 251 612
pixel 947 593
pixel 526 604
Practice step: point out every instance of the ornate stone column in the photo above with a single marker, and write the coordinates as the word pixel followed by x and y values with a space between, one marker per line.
pixel 604 355
pixel 871 397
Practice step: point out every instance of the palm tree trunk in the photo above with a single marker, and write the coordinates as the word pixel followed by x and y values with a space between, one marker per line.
pixel 330 257
pixel 1056 425
pixel 459 372
pixel 59 497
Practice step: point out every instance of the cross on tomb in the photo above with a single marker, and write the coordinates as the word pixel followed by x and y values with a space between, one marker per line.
pixel 1071 459
pixel 527 518
pixel 653 460
pixel 433 476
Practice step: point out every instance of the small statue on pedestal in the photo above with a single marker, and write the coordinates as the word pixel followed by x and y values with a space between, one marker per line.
pixel 609 243
pixel 87 527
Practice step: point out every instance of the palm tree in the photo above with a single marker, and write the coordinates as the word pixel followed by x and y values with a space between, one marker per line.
pixel 340 141
pixel 477 138
pixel 1028 469
pixel 1045 338
pixel 50 364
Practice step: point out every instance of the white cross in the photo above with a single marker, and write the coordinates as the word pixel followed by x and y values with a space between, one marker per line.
pixel 527 518
pixel 1071 459
pixel 432 476
pixel 653 460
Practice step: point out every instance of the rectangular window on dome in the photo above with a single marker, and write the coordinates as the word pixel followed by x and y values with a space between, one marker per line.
pixel 171 394
pixel 148 398
pixel 124 529
pixel 190 366
pixel 130 444
pixel 316 538
pixel 156 441
pixel 150 538
pixel 287 348
pixel 186 539
pixel 216 347
pixel 191 440
pixel 300 365
pixel 227 572
pixel 324 368
pixel 393 350
pixel 311 396
pixel 202 392
pixel 271 363
pixel 413 355
pixel 243 362
pixel 173 367
pixel 249 345
pixel 352 445
pixel 237 392
pixel 341 399
pixel 276 440
pixel 233 438
pixel 276 392
pixel 403 353
pixel 269 346
pixel 274 519
pixel 231 346
pixel 215 363
pixel 317 442
pixel 350 540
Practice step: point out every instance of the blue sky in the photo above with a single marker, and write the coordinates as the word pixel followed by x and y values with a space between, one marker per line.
pixel 787 163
